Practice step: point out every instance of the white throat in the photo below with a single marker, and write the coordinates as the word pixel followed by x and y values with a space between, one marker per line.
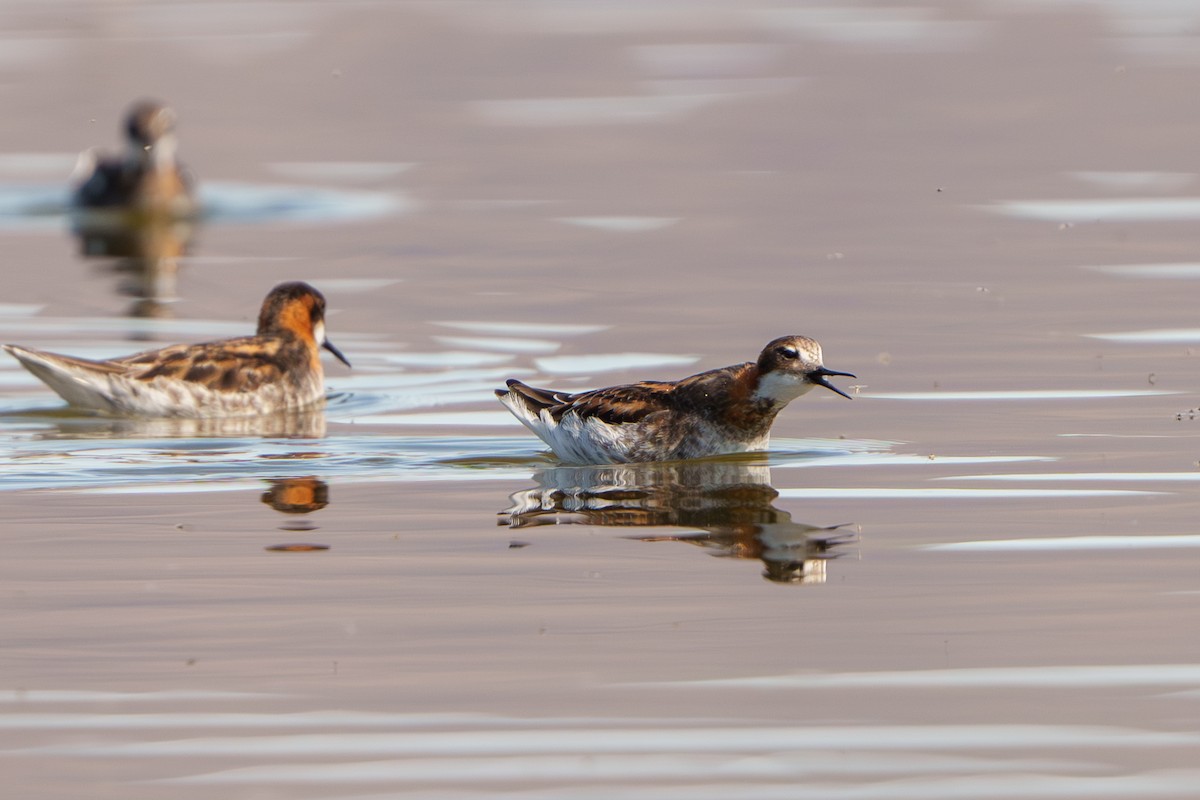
pixel 160 155
pixel 781 388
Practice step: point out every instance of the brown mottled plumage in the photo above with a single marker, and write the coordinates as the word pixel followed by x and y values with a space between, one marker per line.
pixel 147 177
pixel 277 369
pixel 727 410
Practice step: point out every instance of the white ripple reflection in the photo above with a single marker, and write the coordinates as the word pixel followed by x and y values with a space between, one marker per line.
pixel 1184 270
pixel 1044 477
pixel 1129 209
pixel 193 720
pixel 627 224
pixel 466 419
pixel 903 29
pixel 1154 336
pixel 609 362
pixel 1166 783
pixel 233 202
pixel 1022 394
pixel 503 345
pixel 19 309
pixel 33 696
pixel 524 328
pixel 1072 676
pixel 626 767
pixel 957 494
pixel 448 358
pixel 648 740
pixel 900 460
pixel 1073 543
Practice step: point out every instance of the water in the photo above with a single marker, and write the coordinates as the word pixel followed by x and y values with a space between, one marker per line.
pixel 976 579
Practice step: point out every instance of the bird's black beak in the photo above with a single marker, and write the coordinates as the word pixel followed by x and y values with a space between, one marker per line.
pixel 328 345
pixel 819 375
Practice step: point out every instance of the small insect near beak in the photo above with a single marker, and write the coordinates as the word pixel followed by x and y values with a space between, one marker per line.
pixel 819 375
pixel 328 345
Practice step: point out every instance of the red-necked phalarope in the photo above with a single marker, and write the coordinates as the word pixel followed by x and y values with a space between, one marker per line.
pixel 277 369
pixel 727 410
pixel 146 177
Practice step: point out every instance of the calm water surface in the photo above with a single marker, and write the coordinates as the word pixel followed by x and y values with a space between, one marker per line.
pixel 978 579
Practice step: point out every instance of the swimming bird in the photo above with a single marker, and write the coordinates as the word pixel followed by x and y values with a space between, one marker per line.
pixel 276 370
pixel 147 177
pixel 726 410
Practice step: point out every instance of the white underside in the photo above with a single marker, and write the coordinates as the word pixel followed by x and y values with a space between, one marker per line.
pixel 573 440
pixel 577 440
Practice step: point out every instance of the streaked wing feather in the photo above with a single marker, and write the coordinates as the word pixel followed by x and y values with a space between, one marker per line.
pixel 618 404
pixel 231 365
pixel 539 398
pixel 82 363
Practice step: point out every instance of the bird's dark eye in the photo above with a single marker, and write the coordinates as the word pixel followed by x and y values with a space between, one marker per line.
pixel 788 352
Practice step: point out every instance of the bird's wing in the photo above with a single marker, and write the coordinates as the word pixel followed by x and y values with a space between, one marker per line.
pixel 232 365
pixel 614 405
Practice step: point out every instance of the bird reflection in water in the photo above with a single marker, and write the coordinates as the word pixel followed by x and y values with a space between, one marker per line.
pixel 295 496
pixel 729 501
pixel 69 424
pixel 144 250
pixel 137 208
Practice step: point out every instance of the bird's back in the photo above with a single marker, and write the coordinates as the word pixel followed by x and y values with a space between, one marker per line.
pixel 234 377
pixel 118 184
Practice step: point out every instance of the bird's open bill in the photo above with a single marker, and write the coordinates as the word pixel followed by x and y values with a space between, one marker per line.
pixel 818 376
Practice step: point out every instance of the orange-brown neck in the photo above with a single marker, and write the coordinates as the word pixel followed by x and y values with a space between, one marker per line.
pixel 296 318
pixel 745 409
pixel 727 396
pixel 294 311
pixel 286 314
